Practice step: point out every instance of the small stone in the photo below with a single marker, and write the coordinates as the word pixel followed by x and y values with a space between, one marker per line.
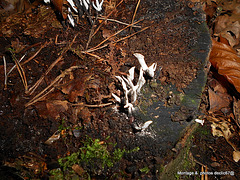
pixel 76 133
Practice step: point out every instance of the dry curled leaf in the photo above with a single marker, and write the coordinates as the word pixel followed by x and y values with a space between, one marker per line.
pixel 227 21
pixel 236 156
pixel 53 138
pixel 227 62
pixel 226 130
pixel 78 169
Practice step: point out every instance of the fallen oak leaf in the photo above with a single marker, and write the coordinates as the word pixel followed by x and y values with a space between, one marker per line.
pixel 225 60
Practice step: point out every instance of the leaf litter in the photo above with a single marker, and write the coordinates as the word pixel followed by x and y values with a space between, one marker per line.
pixel 221 111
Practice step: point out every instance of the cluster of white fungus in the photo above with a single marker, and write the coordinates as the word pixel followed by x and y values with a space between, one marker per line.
pixel 130 90
pixel 80 6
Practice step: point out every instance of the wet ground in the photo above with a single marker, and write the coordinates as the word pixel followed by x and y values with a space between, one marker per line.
pixel 67 84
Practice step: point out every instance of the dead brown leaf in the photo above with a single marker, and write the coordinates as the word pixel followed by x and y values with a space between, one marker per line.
pixel 85 115
pixel 79 170
pixel 236 156
pixel 230 31
pixel 51 109
pixel 17 45
pixel 55 107
pixel 227 62
pixel 227 22
pixel 107 33
pixel 218 100
pixel 75 88
pixel 42 109
pixel 58 4
pixel 226 130
pixel 75 93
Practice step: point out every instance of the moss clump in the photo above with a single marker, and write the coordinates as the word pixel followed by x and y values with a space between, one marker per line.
pixel 91 159
pixel 183 166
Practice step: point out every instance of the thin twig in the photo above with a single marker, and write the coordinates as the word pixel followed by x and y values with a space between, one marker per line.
pixel 135 12
pixel 34 87
pixel 20 71
pixel 119 22
pixel 199 162
pixel 59 43
pixel 55 81
pixel 14 66
pixel 29 59
pixel 105 45
pixel 145 28
pixel 92 105
pixel 93 55
pixel 22 74
pixel 106 19
pixel 114 34
pixel 90 35
pixel 39 98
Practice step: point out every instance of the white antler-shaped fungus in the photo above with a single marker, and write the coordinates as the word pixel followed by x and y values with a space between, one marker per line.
pixel 148 70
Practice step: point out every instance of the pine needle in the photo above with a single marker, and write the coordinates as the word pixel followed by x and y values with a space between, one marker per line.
pixel 135 12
